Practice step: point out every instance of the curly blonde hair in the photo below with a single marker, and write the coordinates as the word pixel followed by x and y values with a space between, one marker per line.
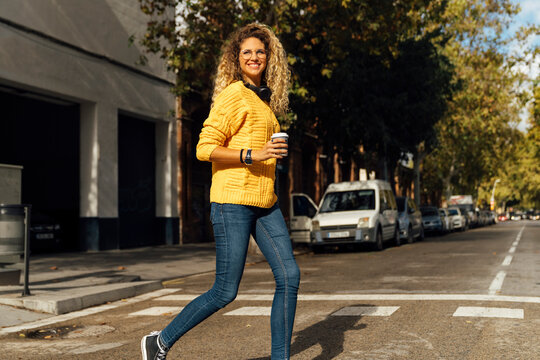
pixel 276 75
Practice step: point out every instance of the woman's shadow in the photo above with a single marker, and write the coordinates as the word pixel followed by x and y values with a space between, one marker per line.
pixel 328 333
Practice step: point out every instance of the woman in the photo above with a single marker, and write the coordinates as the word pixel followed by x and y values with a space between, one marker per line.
pixel 236 138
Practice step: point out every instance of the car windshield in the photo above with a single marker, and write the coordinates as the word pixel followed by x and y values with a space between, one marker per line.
pixel 452 212
pixel 429 212
pixel 349 201
pixel 400 204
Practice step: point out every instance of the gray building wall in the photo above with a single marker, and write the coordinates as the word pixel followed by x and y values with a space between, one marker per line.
pixel 77 50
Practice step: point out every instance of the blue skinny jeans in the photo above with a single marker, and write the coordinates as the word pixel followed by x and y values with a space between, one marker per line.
pixel 232 226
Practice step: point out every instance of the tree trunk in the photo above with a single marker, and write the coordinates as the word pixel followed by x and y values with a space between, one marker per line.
pixel 418 156
pixel 337 169
pixel 446 181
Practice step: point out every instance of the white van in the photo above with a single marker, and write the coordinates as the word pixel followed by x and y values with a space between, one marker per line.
pixel 349 213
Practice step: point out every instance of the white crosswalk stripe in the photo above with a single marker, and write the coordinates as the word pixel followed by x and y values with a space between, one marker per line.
pixel 366 311
pixel 158 311
pixel 471 311
pixel 251 311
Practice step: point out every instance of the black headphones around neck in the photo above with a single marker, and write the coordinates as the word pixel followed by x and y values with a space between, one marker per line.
pixel 263 92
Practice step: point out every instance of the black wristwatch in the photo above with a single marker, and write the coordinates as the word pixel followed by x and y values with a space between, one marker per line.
pixel 248 160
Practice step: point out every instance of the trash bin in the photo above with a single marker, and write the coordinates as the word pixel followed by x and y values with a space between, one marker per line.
pixel 12 229
pixel 14 240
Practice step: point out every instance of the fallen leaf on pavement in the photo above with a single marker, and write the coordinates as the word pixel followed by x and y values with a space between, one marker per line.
pixel 53 268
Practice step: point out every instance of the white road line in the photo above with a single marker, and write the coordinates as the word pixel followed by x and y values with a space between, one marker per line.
pixel 366 311
pixel 497 283
pixel 158 311
pixel 507 260
pixel 489 312
pixel 251 311
pixel 85 312
pixel 377 297
pixel 179 297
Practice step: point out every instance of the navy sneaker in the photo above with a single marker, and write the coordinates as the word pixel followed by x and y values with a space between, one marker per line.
pixel 151 347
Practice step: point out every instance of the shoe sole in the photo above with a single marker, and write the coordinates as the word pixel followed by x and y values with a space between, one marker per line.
pixel 143 347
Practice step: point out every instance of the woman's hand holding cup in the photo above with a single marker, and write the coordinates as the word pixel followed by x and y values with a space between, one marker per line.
pixel 276 148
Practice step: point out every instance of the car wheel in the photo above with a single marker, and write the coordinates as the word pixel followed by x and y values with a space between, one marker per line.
pixel 397 239
pixel 379 243
pixel 422 235
pixel 410 237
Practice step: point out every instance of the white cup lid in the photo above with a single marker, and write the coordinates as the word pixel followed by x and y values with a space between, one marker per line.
pixel 280 135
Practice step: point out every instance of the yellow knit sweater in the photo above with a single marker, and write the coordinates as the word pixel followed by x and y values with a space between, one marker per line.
pixel 238 120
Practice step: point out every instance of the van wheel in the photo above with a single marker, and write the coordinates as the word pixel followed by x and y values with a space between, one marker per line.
pixel 379 243
pixel 397 239
pixel 410 237
pixel 317 249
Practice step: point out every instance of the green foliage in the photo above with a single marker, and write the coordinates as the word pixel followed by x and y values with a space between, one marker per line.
pixel 477 137
pixel 520 173
pixel 421 76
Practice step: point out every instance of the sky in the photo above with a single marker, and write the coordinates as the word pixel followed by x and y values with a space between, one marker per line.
pixel 530 14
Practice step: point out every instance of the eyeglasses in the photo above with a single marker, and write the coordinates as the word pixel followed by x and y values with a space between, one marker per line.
pixel 247 54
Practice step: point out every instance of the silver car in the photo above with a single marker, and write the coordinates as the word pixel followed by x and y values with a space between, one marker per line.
pixel 447 220
pixel 458 219
pixel 410 220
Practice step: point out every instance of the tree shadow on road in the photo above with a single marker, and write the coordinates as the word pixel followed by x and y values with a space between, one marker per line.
pixel 328 333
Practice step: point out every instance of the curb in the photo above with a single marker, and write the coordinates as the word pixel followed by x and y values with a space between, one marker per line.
pixel 81 298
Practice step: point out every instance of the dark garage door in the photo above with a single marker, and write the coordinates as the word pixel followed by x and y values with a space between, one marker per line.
pixel 42 135
pixel 136 181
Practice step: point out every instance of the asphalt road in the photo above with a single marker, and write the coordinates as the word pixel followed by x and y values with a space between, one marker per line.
pixel 468 295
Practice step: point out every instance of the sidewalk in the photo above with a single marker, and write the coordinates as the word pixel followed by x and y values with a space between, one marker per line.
pixel 66 282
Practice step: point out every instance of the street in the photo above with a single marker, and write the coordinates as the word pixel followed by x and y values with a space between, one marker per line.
pixel 465 295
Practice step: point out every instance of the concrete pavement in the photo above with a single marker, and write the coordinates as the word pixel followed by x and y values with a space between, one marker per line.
pixel 66 282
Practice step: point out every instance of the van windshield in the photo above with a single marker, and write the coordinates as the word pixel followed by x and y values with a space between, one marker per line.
pixel 349 201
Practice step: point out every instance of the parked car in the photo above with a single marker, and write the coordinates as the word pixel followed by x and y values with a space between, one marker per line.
pixel 492 217
pixel 356 212
pixel 458 218
pixel 465 203
pixel 302 210
pixel 431 219
pixel 515 216
pixel 410 220
pixel 448 224
pixel 502 217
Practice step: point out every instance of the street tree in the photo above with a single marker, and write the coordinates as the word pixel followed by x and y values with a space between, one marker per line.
pixel 476 133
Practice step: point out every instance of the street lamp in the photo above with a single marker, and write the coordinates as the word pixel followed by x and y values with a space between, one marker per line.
pixel 492 201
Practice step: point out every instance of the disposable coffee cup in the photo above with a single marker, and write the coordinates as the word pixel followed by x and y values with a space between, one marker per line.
pixel 281 135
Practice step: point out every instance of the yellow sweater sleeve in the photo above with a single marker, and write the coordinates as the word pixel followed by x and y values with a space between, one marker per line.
pixel 225 118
